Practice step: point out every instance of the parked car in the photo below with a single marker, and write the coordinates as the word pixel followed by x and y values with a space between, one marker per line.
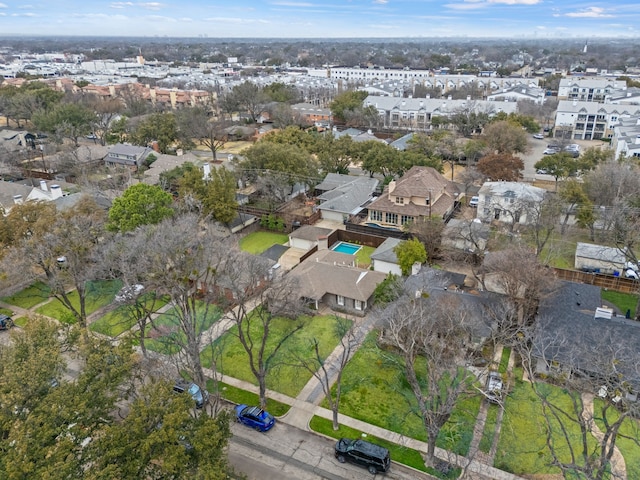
pixel 6 322
pixel 551 150
pixel 494 387
pixel 255 417
pixel 373 457
pixel 474 201
pixel 199 395
pixel 541 171
pixel 538 136
pixel 129 292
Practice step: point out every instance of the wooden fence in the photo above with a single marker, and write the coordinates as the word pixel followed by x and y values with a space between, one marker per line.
pixel 609 282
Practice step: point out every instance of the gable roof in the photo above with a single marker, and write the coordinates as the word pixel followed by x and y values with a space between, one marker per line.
pixel 323 273
pixel 349 197
pixel 600 252
pixel 309 232
pixel 385 253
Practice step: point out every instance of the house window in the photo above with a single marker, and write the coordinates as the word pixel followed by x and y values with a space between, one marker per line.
pixel 375 215
pixel 406 219
pixel 360 305
pixel 496 214
pixel 400 200
pixel 391 218
pixel 340 300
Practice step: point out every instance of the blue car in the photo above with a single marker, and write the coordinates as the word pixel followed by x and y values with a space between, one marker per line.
pixel 255 417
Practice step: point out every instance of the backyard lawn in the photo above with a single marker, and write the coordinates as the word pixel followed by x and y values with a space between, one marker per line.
pixel 284 378
pixel 123 318
pixel 363 256
pixel 99 294
pixel 30 296
pixel 258 242
pixel 165 336
pixel 373 391
pixel 623 301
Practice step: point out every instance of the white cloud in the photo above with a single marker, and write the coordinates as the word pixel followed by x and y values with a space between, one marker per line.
pixel 4 5
pixel 151 5
pixel 121 4
pixel 26 7
pixel 591 12
pixel 380 2
pixel 516 2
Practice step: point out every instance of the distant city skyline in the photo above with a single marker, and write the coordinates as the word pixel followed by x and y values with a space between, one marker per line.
pixel 330 19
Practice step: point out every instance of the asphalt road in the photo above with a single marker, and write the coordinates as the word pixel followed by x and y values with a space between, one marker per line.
pixel 288 453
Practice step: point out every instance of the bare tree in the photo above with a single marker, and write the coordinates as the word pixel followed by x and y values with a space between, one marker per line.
pixel 326 370
pixel 180 259
pixel 432 333
pixel 196 123
pixel 518 274
pixel 255 297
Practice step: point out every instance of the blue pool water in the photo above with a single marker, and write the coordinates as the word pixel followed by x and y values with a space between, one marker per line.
pixel 344 247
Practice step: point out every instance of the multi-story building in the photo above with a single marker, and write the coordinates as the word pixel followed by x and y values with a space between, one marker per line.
pixel 417 113
pixel 589 120
pixel 588 89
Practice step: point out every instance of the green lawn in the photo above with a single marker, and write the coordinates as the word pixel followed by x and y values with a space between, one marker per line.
pixel 165 336
pixel 239 396
pixel 489 428
pixel 522 448
pixel 373 390
pixel 6 311
pixel 30 296
pixel 124 317
pixel 258 242
pixel 363 256
pixel 630 428
pixel 623 301
pixel 99 294
pixel 284 377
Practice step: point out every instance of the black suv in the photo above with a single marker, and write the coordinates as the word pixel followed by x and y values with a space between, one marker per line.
pixel 373 457
pixel 199 395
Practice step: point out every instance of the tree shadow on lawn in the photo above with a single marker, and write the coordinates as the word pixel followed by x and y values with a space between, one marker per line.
pixel 165 334
pixel 99 294
pixel 285 376
pixel 374 390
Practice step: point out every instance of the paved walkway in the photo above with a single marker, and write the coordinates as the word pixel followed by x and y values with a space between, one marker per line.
pixel 618 466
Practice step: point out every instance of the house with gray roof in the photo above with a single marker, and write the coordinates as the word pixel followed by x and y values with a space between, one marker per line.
pixel 384 258
pixel 467 236
pixel 582 120
pixel 348 197
pixel 124 155
pixel 332 279
pixel 308 236
pixel 599 258
pixel 517 93
pixel 626 137
pixel 574 332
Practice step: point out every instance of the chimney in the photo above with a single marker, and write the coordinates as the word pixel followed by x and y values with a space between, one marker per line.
pixel 637 142
pixel 43 185
pixel 17 199
pixel 428 95
pixel 468 97
pixel 392 186
pixel 449 97
pixel 56 192
pixel 575 102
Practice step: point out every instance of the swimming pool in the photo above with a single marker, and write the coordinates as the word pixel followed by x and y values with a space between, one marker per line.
pixel 344 247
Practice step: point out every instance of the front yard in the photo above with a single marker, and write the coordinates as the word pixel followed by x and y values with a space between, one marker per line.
pixel 285 377
pixel 374 391
pixel 99 294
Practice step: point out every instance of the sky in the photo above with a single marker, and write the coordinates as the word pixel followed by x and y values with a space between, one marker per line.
pixel 323 19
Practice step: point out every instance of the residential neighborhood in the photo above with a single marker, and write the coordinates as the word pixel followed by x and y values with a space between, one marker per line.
pixel 444 263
